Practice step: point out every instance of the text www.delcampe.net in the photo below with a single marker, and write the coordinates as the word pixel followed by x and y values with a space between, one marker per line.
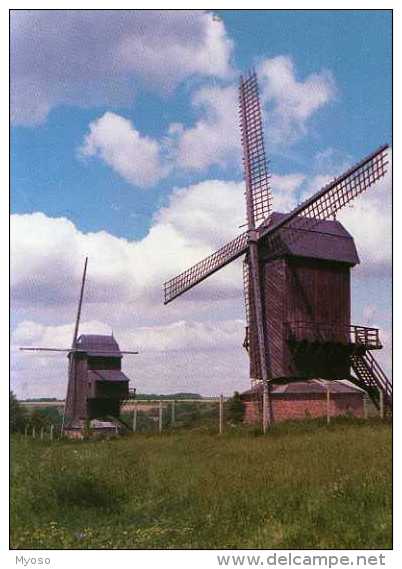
pixel 294 560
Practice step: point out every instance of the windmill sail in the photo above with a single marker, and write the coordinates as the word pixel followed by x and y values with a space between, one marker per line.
pixel 246 288
pixel 77 321
pixel 258 202
pixel 254 160
pixel 327 201
pixel 71 396
pixel 203 269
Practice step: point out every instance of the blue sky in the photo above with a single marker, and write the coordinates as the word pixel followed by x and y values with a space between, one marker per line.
pixel 125 143
pixel 354 45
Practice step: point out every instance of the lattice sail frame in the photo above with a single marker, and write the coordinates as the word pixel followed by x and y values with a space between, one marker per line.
pixel 246 290
pixel 206 267
pixel 327 201
pixel 254 160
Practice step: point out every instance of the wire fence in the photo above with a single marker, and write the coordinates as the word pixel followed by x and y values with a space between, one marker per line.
pixel 152 416
pixel 157 415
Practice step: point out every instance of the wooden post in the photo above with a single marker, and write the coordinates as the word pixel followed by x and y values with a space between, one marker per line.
pixel 328 406
pixel 25 431
pixel 220 414
pixel 51 432
pixel 381 404
pixel 173 417
pixel 33 432
pixel 160 416
pixel 265 409
pixel 365 406
pixel 135 418
pixel 41 434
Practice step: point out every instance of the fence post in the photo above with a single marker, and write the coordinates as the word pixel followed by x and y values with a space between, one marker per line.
pixel 51 431
pixel 173 417
pixel 381 403
pixel 33 432
pixel 25 431
pixel 328 406
pixel 365 406
pixel 220 414
pixel 135 418
pixel 160 416
pixel 41 434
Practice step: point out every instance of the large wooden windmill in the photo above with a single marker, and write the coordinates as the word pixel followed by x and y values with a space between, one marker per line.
pixel 296 273
pixel 96 385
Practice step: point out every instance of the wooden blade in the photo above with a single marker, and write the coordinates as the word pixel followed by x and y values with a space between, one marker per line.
pixel 200 271
pixel 258 202
pixel 328 201
pixel 77 321
pixel 246 289
pixel 70 350
pixel 257 177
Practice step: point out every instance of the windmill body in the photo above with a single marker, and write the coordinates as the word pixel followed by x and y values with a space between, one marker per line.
pixel 96 383
pixel 307 305
pixel 296 274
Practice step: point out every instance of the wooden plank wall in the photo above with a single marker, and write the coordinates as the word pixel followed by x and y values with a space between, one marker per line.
pixel 296 289
pixel 318 291
pixel 274 286
pixel 76 401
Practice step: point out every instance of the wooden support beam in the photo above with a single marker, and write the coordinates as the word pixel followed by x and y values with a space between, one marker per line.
pixel 173 411
pixel 221 414
pixel 135 418
pixel 381 403
pixel 266 417
pixel 328 405
pixel 160 417
pixel 365 406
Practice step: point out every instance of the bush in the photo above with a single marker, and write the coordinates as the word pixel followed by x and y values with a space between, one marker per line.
pixel 18 415
pixel 236 408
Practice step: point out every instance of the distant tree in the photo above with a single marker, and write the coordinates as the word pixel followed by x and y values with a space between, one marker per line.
pixel 18 415
pixel 236 408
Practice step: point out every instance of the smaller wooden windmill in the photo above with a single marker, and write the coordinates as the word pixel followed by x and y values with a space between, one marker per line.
pixel 296 274
pixel 96 384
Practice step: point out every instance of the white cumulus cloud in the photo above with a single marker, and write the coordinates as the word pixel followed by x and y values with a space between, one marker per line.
pixel 290 102
pixel 135 157
pixel 98 57
pixel 215 138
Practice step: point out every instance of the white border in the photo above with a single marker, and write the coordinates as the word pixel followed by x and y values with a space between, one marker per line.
pixel 195 559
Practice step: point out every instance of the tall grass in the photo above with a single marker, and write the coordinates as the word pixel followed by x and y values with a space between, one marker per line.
pixel 302 486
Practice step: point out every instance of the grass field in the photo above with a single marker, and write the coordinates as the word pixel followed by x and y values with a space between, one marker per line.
pixel 305 485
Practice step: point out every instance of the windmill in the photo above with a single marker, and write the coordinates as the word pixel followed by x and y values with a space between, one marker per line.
pixel 96 385
pixel 297 322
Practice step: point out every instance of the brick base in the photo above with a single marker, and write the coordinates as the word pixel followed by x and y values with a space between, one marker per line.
pixel 297 407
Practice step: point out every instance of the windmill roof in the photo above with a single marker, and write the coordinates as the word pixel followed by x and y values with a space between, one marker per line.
pixel 107 375
pixel 327 239
pixel 307 387
pixel 98 345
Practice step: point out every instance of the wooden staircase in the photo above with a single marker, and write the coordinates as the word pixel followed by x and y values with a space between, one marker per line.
pixel 371 377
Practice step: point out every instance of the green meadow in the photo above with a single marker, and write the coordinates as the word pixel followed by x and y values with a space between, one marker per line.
pixel 304 485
